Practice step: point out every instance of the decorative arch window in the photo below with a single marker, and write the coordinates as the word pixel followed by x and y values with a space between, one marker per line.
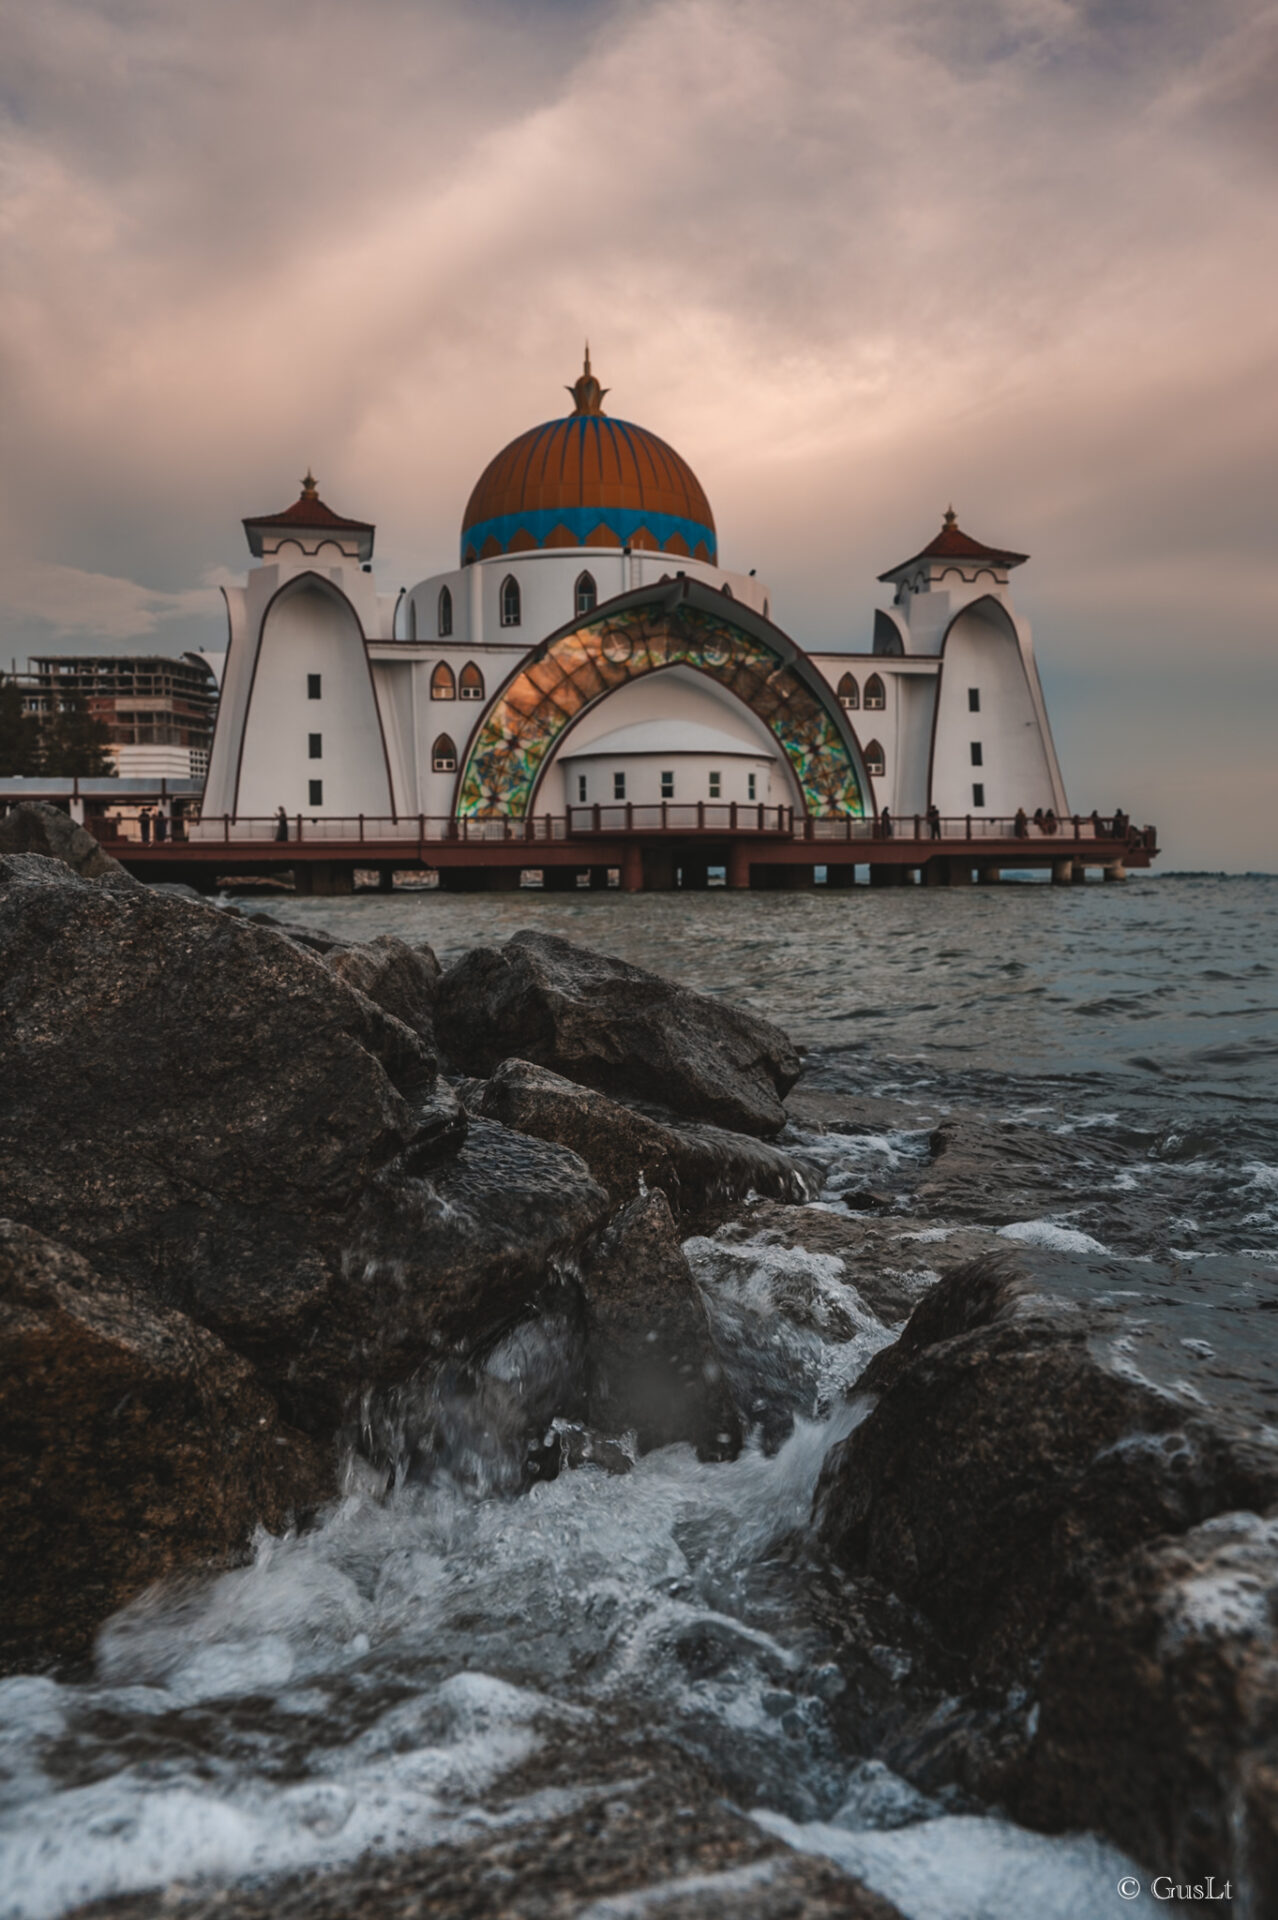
pixel 412 619
pixel 442 684
pixel 445 622
pixel 472 682
pixel 875 698
pixel 727 591
pixel 511 604
pixel 874 759
pixel 443 755
pixel 849 694
pixel 586 593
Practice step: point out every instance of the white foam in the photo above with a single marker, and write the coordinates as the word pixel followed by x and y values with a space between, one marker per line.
pixel 965 1867
pixel 1046 1233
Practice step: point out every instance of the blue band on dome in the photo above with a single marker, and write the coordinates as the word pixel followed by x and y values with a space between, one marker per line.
pixel 581 522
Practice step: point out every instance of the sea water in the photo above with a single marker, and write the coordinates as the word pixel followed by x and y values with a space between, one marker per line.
pixel 371 1682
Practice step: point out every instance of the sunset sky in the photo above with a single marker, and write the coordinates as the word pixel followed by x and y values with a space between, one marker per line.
pixel 854 258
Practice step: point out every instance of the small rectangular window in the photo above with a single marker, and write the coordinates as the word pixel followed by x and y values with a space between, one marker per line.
pixel 715 785
pixel 667 786
pixel 315 746
pixel 581 786
pixel 752 784
pixel 314 687
pixel 977 756
pixel 618 786
pixel 978 794
pixel 317 793
pixel 974 699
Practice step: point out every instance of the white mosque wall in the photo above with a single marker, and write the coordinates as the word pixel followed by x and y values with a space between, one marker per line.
pixel 311 631
pixel 985 655
pixel 547 580
pixel 719 776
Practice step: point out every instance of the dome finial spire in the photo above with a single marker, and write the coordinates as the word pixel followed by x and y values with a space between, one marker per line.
pixel 310 486
pixel 586 390
pixel 950 518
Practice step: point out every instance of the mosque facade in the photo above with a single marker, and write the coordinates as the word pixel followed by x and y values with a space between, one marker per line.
pixel 590 650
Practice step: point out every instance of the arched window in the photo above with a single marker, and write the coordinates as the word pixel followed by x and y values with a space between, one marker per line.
pixel 443 755
pixel 874 695
pixel 587 593
pixel 472 682
pixel 727 591
pixel 412 619
pixel 874 760
pixel 442 685
pixel 849 694
pixel 445 613
pixel 510 604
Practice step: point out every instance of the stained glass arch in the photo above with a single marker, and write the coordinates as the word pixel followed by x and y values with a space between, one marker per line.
pixel 568 673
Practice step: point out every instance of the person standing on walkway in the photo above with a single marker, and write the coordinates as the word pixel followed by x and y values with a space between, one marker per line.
pixel 934 821
pixel 281 824
pixel 144 826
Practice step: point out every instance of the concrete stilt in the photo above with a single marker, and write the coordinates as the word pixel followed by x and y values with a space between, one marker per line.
pixel 887 876
pixel 960 873
pixel 936 873
pixel 1062 873
pixel 386 879
pixel 1116 871
pixel 329 878
pixel 738 874
pixel 500 879
pixel 598 878
pixel 658 869
pixel 841 876
pixel 1079 875
pixel 632 874
pixel 559 879
pixel 694 875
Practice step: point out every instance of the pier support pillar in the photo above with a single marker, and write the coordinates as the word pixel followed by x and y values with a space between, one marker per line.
pixel 936 873
pixel 658 869
pixel 1116 871
pixel 988 876
pixel 386 879
pixel 841 876
pixel 632 874
pixel 598 878
pixel 738 874
pixel 1062 873
pixel 694 875
pixel 559 879
pixel 887 876
pixel 500 879
pixel 1078 877
pixel 328 878
pixel 960 873
pixel 788 878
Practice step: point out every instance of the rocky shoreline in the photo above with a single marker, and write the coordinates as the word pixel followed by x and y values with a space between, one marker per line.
pixel 272 1199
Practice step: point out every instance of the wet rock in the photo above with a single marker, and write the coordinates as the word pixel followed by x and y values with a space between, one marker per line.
pixel 699 1169
pixel 210 1116
pixel 1159 1708
pixel 866 1200
pixel 985 1171
pixel 314 939
pixel 1007 1460
pixel 649 1833
pixel 132 1444
pixel 651 1365
pixel 616 1027
pixel 33 826
pixel 399 978
pixel 882 1264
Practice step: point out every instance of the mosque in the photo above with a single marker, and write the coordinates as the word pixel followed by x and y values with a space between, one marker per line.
pixel 590 651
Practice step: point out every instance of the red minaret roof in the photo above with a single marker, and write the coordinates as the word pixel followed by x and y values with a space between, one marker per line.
pixel 951 543
pixel 309 511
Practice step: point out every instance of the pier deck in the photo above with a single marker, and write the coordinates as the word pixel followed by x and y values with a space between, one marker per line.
pixel 650 848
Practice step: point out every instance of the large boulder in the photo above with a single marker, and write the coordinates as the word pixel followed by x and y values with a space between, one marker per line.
pixel 1088 1545
pixel 1159 1708
pixel 205 1111
pixel 651 1365
pixel 698 1168
pixel 33 826
pixel 399 978
pixel 1007 1459
pixel 616 1027
pixel 132 1444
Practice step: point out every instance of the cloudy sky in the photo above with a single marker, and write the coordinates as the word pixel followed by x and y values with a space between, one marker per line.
pixel 854 258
